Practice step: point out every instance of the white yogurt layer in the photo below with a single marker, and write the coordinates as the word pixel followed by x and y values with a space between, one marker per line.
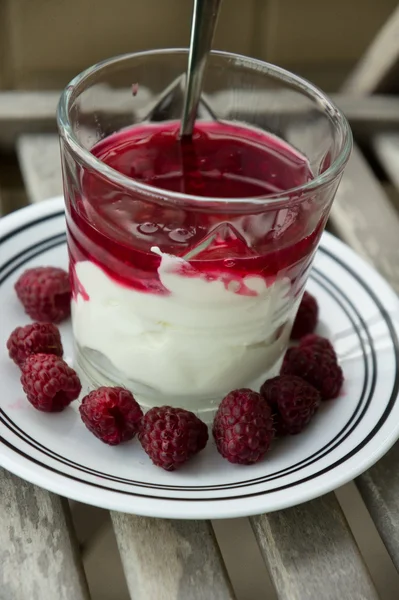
pixel 200 341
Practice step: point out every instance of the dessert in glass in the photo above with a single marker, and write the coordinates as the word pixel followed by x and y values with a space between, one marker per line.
pixel 188 259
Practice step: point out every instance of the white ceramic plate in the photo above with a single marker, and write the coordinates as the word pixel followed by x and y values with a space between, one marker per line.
pixel 358 311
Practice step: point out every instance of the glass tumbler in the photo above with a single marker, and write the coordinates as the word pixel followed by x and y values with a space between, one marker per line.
pixel 188 263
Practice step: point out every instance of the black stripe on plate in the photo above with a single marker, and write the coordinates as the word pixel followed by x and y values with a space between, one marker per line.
pixel 296 467
pixel 29 253
pixel 321 453
pixel 29 224
pixel 313 475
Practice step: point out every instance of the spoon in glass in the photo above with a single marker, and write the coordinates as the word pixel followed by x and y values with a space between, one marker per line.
pixel 203 26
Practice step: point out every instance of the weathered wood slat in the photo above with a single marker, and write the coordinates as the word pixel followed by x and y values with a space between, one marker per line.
pixel 379 488
pixel 365 219
pixel 386 146
pixel 34 112
pixel 369 111
pixel 38 554
pixel 26 112
pixel 379 62
pixel 311 554
pixel 163 560
pixel 39 159
pixel 170 560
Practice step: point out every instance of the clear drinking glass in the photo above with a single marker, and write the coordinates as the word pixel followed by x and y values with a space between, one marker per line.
pixel 179 295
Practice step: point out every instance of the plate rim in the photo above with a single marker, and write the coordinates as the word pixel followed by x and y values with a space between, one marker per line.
pixel 25 218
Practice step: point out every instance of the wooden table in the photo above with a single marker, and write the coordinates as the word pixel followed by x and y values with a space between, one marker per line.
pixel 309 550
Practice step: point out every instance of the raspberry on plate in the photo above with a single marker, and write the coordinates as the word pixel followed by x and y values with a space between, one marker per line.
pixel 318 342
pixel 112 414
pixel 171 436
pixel 45 293
pixel 293 402
pixel 306 317
pixel 243 427
pixel 316 365
pixel 34 339
pixel 49 383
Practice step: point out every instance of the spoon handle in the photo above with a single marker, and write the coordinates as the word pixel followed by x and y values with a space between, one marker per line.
pixel 203 26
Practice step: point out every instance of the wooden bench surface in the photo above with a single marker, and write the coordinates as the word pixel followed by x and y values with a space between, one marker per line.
pixel 39 558
pixel 309 550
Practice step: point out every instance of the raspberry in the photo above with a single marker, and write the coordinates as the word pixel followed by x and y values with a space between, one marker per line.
pixel 170 436
pixel 112 414
pixel 49 383
pixel 243 427
pixel 34 339
pixel 317 366
pixel 293 402
pixel 318 342
pixel 45 293
pixel 306 317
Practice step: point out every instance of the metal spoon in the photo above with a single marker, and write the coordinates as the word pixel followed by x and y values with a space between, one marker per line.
pixel 169 105
pixel 203 26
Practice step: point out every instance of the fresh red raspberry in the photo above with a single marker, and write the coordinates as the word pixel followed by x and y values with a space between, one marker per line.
pixel 45 293
pixel 318 342
pixel 49 383
pixel 170 436
pixel 293 402
pixel 112 414
pixel 243 427
pixel 34 339
pixel 306 317
pixel 317 366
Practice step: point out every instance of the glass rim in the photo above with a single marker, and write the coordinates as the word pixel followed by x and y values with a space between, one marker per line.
pixel 306 87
